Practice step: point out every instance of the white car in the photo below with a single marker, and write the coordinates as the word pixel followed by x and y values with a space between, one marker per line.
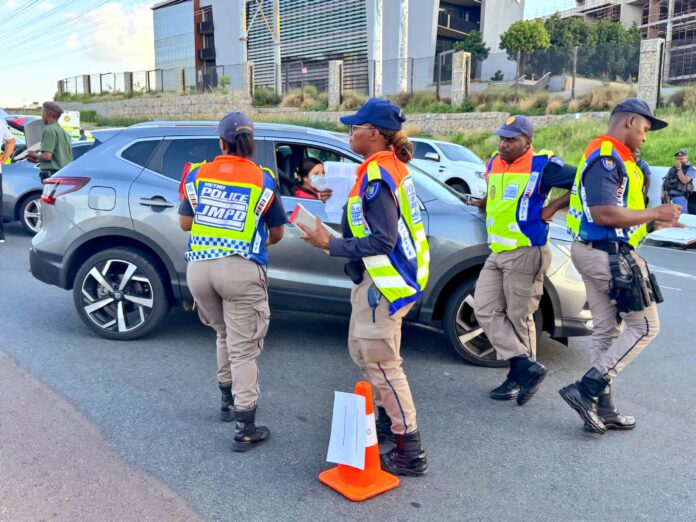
pixel 452 164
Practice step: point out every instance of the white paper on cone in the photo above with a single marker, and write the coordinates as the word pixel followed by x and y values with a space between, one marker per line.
pixel 347 442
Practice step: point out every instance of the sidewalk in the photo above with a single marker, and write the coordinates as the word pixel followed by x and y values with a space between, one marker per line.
pixel 54 464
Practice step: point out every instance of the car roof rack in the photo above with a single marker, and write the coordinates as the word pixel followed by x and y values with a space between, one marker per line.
pixel 175 123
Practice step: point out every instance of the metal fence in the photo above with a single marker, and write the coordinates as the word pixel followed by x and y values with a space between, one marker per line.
pixel 679 62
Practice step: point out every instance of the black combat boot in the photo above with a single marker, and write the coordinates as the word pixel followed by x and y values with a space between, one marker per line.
pixel 227 410
pixel 247 435
pixel 407 458
pixel 612 419
pixel 383 423
pixel 529 375
pixel 583 395
pixel 507 391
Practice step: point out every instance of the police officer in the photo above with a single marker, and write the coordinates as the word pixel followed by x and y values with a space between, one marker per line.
pixel 645 169
pixel 232 211
pixel 679 182
pixel 511 282
pixel 7 147
pixel 384 240
pixel 607 219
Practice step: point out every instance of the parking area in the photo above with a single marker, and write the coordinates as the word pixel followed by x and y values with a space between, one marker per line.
pixel 155 401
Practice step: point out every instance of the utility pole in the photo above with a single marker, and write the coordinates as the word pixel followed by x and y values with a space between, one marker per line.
pixel 403 46
pixel 377 49
pixel 244 39
pixel 276 46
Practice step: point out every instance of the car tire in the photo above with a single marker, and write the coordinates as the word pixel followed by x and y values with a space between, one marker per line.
pixel 460 186
pixel 116 311
pixel 29 215
pixel 459 318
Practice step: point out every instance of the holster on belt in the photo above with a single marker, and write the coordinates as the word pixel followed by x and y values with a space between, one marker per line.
pixel 629 289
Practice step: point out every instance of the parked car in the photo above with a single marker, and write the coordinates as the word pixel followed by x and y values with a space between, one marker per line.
pixel 110 233
pixel 21 190
pixel 452 164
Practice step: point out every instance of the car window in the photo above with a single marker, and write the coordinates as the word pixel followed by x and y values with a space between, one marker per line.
pixel 138 153
pixel 79 150
pixel 435 188
pixel 421 149
pixel 458 153
pixel 179 152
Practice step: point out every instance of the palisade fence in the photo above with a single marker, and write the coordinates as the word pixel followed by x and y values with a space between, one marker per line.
pixel 409 75
pixel 616 62
pixel 680 61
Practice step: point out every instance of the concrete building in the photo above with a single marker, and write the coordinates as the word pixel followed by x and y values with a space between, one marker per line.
pixel 208 39
pixel 672 20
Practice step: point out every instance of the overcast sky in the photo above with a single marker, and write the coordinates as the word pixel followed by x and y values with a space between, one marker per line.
pixel 46 40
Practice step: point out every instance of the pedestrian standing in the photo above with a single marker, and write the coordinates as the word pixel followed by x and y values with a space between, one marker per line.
pixel 511 283
pixel 233 213
pixel 55 150
pixel 679 182
pixel 607 219
pixel 385 242
pixel 8 142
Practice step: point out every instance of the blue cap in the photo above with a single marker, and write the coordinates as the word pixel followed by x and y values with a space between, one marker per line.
pixel 234 124
pixel 514 126
pixel 638 106
pixel 681 152
pixel 378 113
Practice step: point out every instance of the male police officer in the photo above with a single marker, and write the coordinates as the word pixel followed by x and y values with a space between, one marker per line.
pixel 679 182
pixel 511 283
pixel 607 219
pixel 7 140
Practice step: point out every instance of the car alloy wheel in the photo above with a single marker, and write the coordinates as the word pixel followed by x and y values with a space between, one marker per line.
pixel 117 296
pixel 470 335
pixel 30 215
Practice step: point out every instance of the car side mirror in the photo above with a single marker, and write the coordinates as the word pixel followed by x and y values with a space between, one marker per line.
pixel 432 156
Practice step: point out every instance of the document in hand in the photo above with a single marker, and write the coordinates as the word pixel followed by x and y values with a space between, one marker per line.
pixel 305 218
pixel 685 235
pixel 340 177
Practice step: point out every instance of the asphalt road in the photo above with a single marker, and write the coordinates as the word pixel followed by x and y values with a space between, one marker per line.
pixel 155 401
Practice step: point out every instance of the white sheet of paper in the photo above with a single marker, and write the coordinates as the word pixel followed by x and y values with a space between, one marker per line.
pixel 340 177
pixel 680 236
pixel 347 442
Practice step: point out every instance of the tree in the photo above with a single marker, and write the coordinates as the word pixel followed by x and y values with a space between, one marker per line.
pixel 570 32
pixel 523 37
pixel 473 43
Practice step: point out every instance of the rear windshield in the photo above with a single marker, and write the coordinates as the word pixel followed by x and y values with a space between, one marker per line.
pixel 458 153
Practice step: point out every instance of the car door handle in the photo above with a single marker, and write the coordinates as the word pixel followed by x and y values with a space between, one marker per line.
pixel 156 202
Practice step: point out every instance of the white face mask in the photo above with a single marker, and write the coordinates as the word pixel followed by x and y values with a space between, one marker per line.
pixel 318 182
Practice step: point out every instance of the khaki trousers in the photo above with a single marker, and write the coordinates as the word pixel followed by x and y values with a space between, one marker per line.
pixel 612 346
pixel 231 294
pixel 507 294
pixel 374 343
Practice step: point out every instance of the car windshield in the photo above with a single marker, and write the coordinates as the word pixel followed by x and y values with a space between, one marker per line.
pixel 430 188
pixel 458 153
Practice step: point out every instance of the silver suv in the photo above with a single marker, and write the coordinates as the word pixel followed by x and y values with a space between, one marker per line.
pixel 110 233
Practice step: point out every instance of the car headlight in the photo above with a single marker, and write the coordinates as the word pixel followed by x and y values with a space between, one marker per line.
pixel 480 175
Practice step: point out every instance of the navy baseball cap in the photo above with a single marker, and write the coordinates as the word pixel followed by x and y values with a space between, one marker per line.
pixel 514 126
pixel 638 106
pixel 681 152
pixel 378 113
pixel 234 124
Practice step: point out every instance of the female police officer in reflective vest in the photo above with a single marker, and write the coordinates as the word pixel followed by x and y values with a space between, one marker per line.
pixel 232 212
pixel 607 216
pixel 384 240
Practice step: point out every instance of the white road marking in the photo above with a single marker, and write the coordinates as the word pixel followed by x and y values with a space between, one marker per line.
pixel 674 273
pixel 670 288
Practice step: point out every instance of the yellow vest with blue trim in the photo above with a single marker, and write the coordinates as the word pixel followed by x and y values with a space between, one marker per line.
pixel 401 275
pixel 229 197
pixel 514 201
pixel 628 195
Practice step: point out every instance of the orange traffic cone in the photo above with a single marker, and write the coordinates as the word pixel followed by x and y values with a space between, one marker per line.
pixel 357 484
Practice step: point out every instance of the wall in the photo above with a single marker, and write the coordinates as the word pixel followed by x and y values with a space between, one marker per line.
pixel 496 18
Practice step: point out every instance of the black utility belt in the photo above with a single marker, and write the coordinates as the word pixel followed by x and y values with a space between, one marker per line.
pixel 610 247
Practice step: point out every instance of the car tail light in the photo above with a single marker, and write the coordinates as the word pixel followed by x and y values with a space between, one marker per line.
pixel 54 187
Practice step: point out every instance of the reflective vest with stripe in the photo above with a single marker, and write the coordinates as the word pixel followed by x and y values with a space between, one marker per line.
pixel 514 202
pixel 229 197
pixel 400 276
pixel 629 195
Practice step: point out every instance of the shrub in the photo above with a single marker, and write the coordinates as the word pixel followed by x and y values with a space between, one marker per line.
pixel 606 97
pixel 498 76
pixel 401 98
pixel 684 98
pixel 352 100
pixel 554 106
pixel 263 97
pixel 90 116
pixel 225 81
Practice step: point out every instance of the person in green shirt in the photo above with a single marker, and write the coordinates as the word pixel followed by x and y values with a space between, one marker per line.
pixel 56 150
